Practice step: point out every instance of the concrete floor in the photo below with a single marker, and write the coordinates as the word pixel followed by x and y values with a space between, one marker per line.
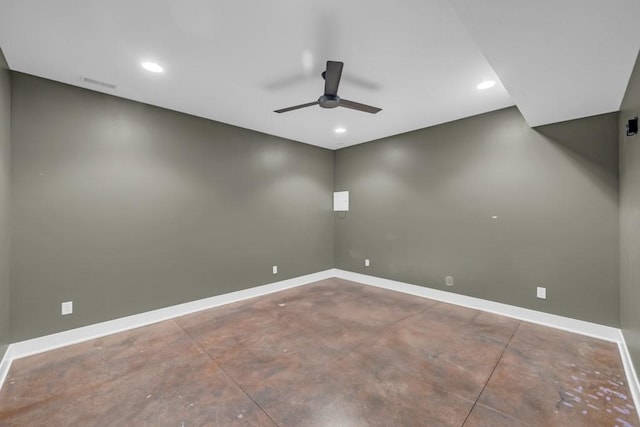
pixel 332 353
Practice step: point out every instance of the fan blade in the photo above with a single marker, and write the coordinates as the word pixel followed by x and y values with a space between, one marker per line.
pixel 284 110
pixel 357 106
pixel 332 77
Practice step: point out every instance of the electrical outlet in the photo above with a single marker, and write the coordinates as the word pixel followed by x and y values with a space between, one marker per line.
pixel 66 308
pixel 366 263
pixel 275 269
pixel 448 280
pixel 541 293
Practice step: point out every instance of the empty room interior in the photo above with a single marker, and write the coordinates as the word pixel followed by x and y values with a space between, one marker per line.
pixel 296 213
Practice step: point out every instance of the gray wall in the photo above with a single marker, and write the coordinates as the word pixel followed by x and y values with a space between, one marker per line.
pixel 630 221
pixel 421 207
pixel 123 207
pixel 5 136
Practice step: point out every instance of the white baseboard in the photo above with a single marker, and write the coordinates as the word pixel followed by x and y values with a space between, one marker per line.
pixel 594 330
pixel 73 336
pixel 632 375
pixel 97 330
pixel 5 365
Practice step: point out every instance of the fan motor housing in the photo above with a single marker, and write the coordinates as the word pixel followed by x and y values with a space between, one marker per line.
pixel 329 101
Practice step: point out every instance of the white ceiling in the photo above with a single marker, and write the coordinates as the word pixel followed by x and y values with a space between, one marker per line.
pixel 418 60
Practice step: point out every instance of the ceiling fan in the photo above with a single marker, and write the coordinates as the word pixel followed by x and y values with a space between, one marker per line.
pixel 330 99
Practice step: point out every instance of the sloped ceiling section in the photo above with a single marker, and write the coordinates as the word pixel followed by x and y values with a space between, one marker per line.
pixel 418 60
pixel 559 60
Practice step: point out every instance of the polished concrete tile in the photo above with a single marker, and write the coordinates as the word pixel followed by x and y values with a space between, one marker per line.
pixel 331 353
pixel 552 377
pixel 154 375
pixel 455 351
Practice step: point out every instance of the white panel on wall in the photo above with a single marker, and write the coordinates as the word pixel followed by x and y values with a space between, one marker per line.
pixel 341 201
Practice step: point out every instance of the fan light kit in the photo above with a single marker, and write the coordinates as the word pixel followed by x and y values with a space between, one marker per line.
pixel 486 84
pixel 330 99
pixel 153 67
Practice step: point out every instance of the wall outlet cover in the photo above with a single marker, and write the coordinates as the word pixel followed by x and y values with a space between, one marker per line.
pixel 541 293
pixel 448 280
pixel 66 308
pixel 367 263
pixel 275 269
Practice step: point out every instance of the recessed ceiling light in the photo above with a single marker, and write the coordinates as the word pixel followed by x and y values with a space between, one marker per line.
pixel 153 67
pixel 340 130
pixel 486 84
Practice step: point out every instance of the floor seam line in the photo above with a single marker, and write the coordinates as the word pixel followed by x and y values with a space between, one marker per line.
pixel 225 373
pixel 353 348
pixel 504 350
pixel 395 322
pixel 248 395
